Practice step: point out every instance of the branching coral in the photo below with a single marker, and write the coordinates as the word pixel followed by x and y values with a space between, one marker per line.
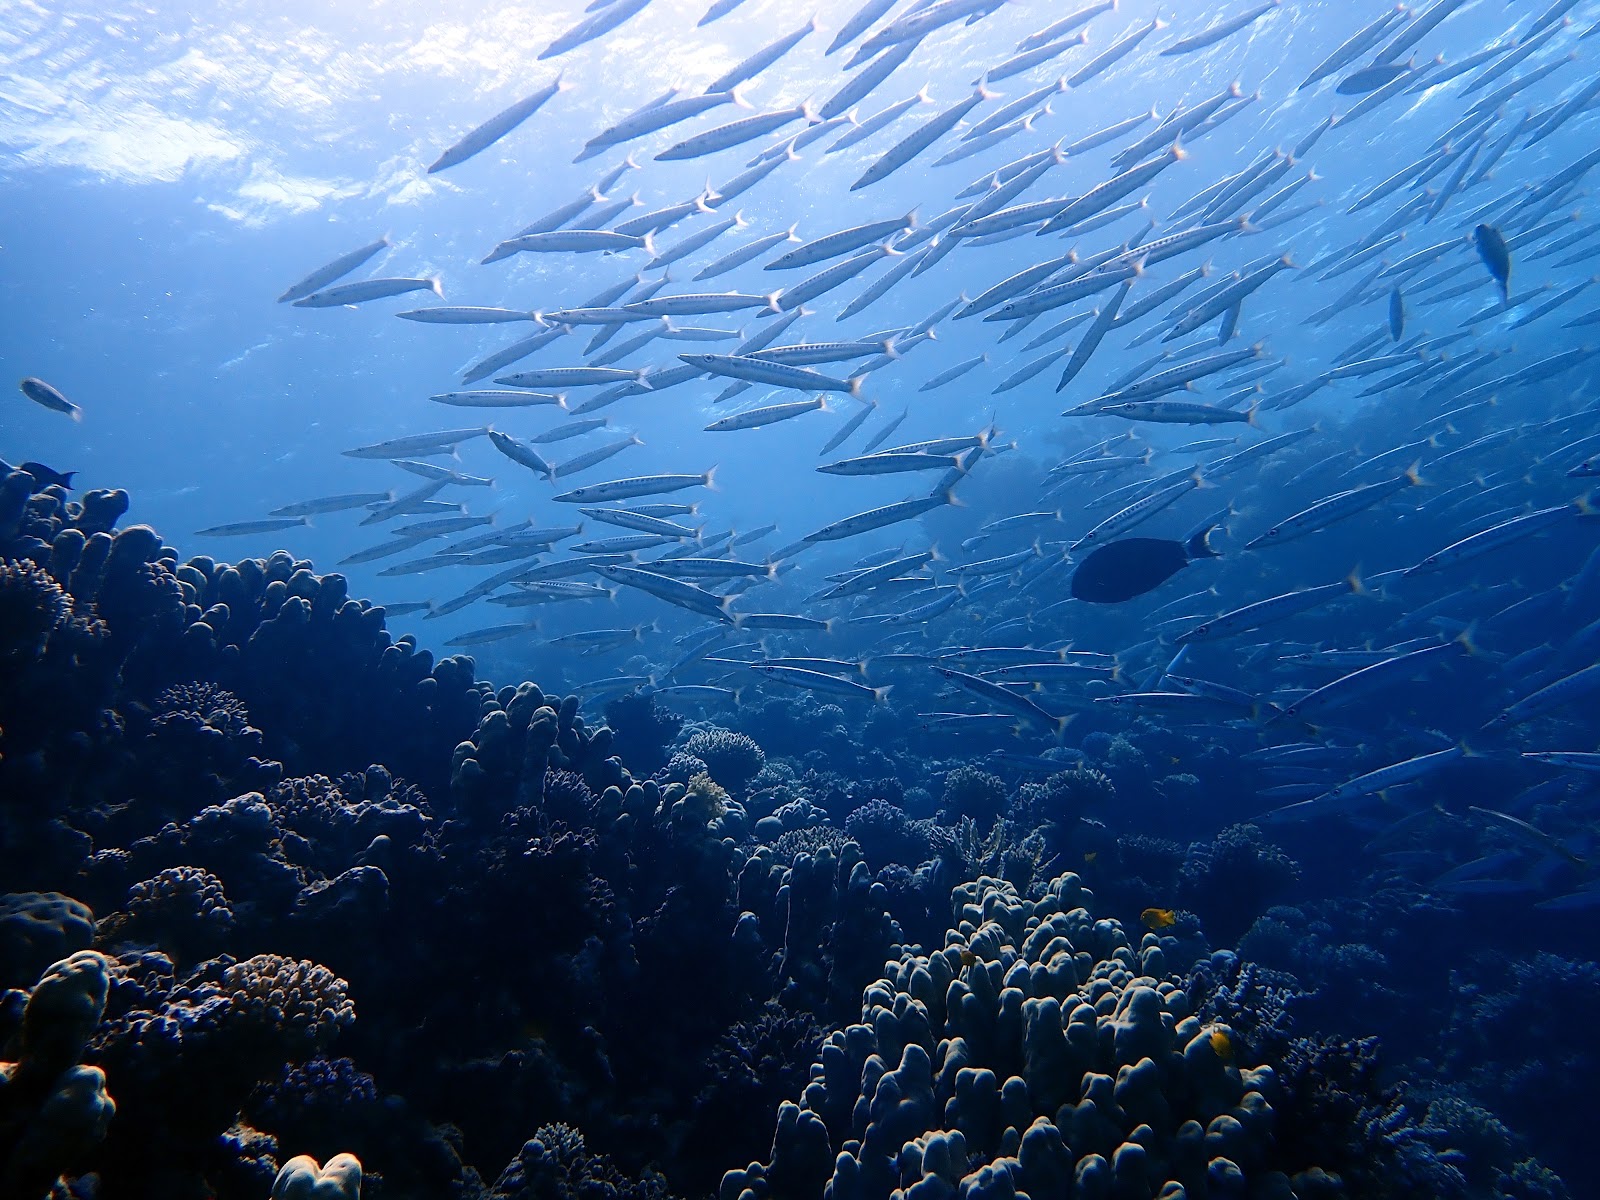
pixel 733 759
pixel 182 909
pixel 643 731
pixel 555 1164
pixel 1234 879
pixel 975 793
pixel 32 607
pixel 887 835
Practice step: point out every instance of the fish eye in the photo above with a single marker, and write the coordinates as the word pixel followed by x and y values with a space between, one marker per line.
pixel 1202 629
pixel 1273 532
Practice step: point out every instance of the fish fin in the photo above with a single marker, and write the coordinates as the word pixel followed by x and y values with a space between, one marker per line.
pixel 435 286
pixel 1355 582
pixel 880 694
pixel 709 482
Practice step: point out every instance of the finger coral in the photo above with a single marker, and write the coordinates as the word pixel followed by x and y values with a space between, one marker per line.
pixel 1038 1051
pixel 53 1110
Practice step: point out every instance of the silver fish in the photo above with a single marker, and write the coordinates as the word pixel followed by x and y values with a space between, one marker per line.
pixel 337 269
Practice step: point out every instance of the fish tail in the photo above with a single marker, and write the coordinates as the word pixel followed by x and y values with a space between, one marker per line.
pixel 880 694
pixel 1356 585
pixel 1199 543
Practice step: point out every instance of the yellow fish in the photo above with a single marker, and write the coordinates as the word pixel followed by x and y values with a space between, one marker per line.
pixel 968 958
pixel 1091 856
pixel 1159 918
pixel 1221 1045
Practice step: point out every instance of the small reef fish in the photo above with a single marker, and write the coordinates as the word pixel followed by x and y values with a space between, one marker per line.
pixel 47 396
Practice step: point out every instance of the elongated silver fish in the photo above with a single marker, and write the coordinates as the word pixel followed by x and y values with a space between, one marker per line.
pixel 418 443
pixel 754 418
pixel 365 290
pixel 462 315
pixel 845 240
pixel 639 485
pixel 878 518
pixel 331 504
pixel 477 140
pixel 249 528
pixel 775 374
pixel 335 270
pixel 1264 612
pixel 1333 508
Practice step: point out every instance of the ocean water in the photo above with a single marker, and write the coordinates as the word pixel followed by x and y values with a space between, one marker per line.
pixel 167 173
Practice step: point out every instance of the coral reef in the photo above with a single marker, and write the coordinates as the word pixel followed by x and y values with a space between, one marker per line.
pixel 1041 1051
pixel 663 936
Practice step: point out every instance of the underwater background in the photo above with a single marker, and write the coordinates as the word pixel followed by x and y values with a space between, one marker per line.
pixel 1007 810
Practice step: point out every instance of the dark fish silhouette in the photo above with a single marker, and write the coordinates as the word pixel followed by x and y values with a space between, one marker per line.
pixel 1496 255
pixel 46 477
pixel 1397 314
pixel 1370 79
pixel 1120 571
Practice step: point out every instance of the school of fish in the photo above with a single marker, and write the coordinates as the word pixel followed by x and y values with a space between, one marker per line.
pixel 1357 574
